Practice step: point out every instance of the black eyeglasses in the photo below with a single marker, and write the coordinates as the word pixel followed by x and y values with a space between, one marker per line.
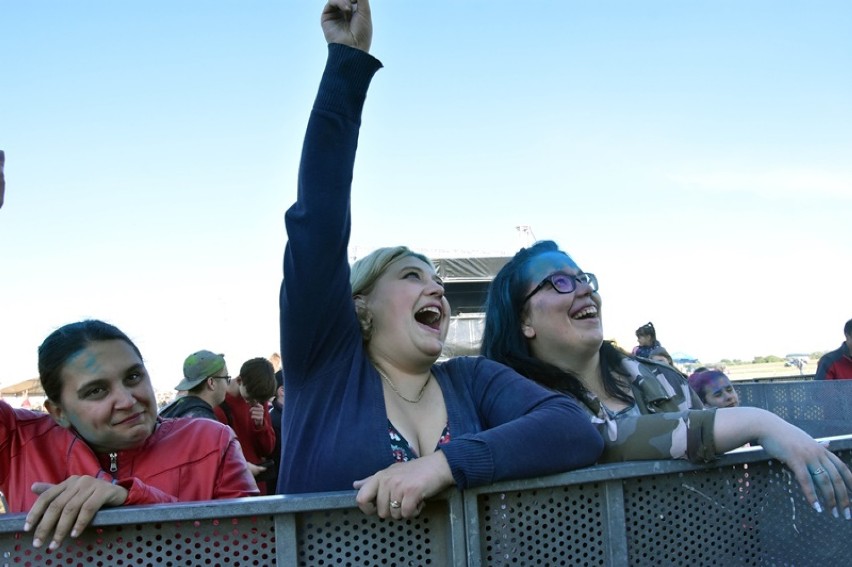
pixel 227 379
pixel 565 283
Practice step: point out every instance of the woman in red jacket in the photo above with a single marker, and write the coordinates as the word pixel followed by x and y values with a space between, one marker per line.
pixel 102 444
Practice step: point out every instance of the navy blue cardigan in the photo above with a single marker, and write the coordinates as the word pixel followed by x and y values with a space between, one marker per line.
pixel 334 428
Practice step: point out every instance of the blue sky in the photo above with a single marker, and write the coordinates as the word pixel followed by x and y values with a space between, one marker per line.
pixel 694 155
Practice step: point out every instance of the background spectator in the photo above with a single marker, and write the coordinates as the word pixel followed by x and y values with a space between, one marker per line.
pixel 246 410
pixel 837 364
pixel 646 335
pixel 714 388
pixel 205 380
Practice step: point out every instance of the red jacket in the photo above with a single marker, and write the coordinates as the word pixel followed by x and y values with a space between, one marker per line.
pixel 257 442
pixel 183 460
pixel 835 365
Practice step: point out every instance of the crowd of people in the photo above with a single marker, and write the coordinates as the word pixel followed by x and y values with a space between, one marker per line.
pixel 360 379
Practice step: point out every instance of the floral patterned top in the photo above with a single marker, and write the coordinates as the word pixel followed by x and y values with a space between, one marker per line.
pixel 401 448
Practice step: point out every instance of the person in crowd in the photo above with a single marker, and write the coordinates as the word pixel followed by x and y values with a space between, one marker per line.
pixel 646 336
pixel 275 411
pixel 366 403
pixel 101 442
pixel 246 410
pixel 660 354
pixel 837 364
pixel 205 381
pixel 714 388
pixel 543 318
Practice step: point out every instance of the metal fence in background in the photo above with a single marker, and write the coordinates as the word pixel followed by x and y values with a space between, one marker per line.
pixel 822 408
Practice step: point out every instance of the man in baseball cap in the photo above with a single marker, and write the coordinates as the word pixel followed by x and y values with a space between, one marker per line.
pixel 205 381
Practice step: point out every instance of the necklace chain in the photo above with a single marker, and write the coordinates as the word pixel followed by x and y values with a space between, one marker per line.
pixel 398 393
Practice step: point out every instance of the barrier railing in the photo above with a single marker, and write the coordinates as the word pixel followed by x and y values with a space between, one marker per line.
pixel 743 509
pixel 822 408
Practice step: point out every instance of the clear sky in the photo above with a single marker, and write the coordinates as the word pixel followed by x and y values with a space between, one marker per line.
pixel 696 156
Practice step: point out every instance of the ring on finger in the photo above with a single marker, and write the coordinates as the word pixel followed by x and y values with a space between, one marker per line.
pixel 819 470
pixel 395 504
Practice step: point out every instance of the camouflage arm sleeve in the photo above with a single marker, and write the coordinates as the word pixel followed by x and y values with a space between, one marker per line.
pixel 673 435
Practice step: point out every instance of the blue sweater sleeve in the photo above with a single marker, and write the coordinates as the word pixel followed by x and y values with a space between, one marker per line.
pixel 526 431
pixel 315 299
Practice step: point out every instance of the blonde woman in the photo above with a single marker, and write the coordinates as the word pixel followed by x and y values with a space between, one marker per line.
pixel 367 405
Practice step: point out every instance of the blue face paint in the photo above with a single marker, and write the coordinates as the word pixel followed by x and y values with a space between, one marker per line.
pixel 545 264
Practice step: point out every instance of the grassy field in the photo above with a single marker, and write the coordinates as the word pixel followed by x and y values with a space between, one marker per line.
pixel 767 369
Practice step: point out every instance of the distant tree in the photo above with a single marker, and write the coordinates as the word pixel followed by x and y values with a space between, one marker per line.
pixel 816 355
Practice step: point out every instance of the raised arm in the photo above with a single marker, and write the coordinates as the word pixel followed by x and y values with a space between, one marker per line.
pixel 315 295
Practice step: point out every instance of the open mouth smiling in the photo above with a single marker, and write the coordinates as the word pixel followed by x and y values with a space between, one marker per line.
pixel 429 316
pixel 586 313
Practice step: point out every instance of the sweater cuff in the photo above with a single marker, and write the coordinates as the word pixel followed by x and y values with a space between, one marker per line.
pixel 347 76
pixel 700 440
pixel 470 461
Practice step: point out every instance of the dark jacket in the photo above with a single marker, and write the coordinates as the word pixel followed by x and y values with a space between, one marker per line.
pixel 188 406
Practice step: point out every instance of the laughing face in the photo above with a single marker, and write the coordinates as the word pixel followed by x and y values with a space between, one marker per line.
pixel 560 327
pixel 107 397
pixel 410 315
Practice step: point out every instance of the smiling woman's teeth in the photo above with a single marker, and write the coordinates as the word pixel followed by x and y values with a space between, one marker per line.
pixel 428 315
pixel 587 312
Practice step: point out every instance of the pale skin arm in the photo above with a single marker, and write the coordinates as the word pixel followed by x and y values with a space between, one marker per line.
pixel 68 507
pixel 409 483
pixel 799 451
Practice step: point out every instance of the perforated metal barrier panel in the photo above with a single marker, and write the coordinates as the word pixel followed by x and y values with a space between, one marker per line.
pixel 822 408
pixel 231 541
pixel 741 510
pixel 349 538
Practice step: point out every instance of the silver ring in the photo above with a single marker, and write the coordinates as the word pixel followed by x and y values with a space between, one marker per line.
pixel 395 504
pixel 819 470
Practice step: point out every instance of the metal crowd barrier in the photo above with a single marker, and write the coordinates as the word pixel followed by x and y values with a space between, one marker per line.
pixel 822 408
pixel 743 509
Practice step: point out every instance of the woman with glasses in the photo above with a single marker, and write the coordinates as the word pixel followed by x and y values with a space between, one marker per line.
pixel 101 444
pixel 543 318
pixel 367 405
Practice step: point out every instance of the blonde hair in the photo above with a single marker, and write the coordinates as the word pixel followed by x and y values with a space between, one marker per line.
pixel 367 270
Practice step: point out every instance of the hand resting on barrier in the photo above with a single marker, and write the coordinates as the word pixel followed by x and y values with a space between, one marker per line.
pixel 817 470
pixel 406 484
pixel 68 507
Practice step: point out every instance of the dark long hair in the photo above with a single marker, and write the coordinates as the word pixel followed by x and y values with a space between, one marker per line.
pixel 65 342
pixel 504 341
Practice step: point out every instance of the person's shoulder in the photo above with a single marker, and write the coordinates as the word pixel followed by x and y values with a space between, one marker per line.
pixel 25 417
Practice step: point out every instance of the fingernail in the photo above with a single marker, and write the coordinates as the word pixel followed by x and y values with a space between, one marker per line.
pixel 36 542
pixel 53 545
pixel 835 513
pixel 847 513
pixel 817 507
pixel 27 526
pixel 74 533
